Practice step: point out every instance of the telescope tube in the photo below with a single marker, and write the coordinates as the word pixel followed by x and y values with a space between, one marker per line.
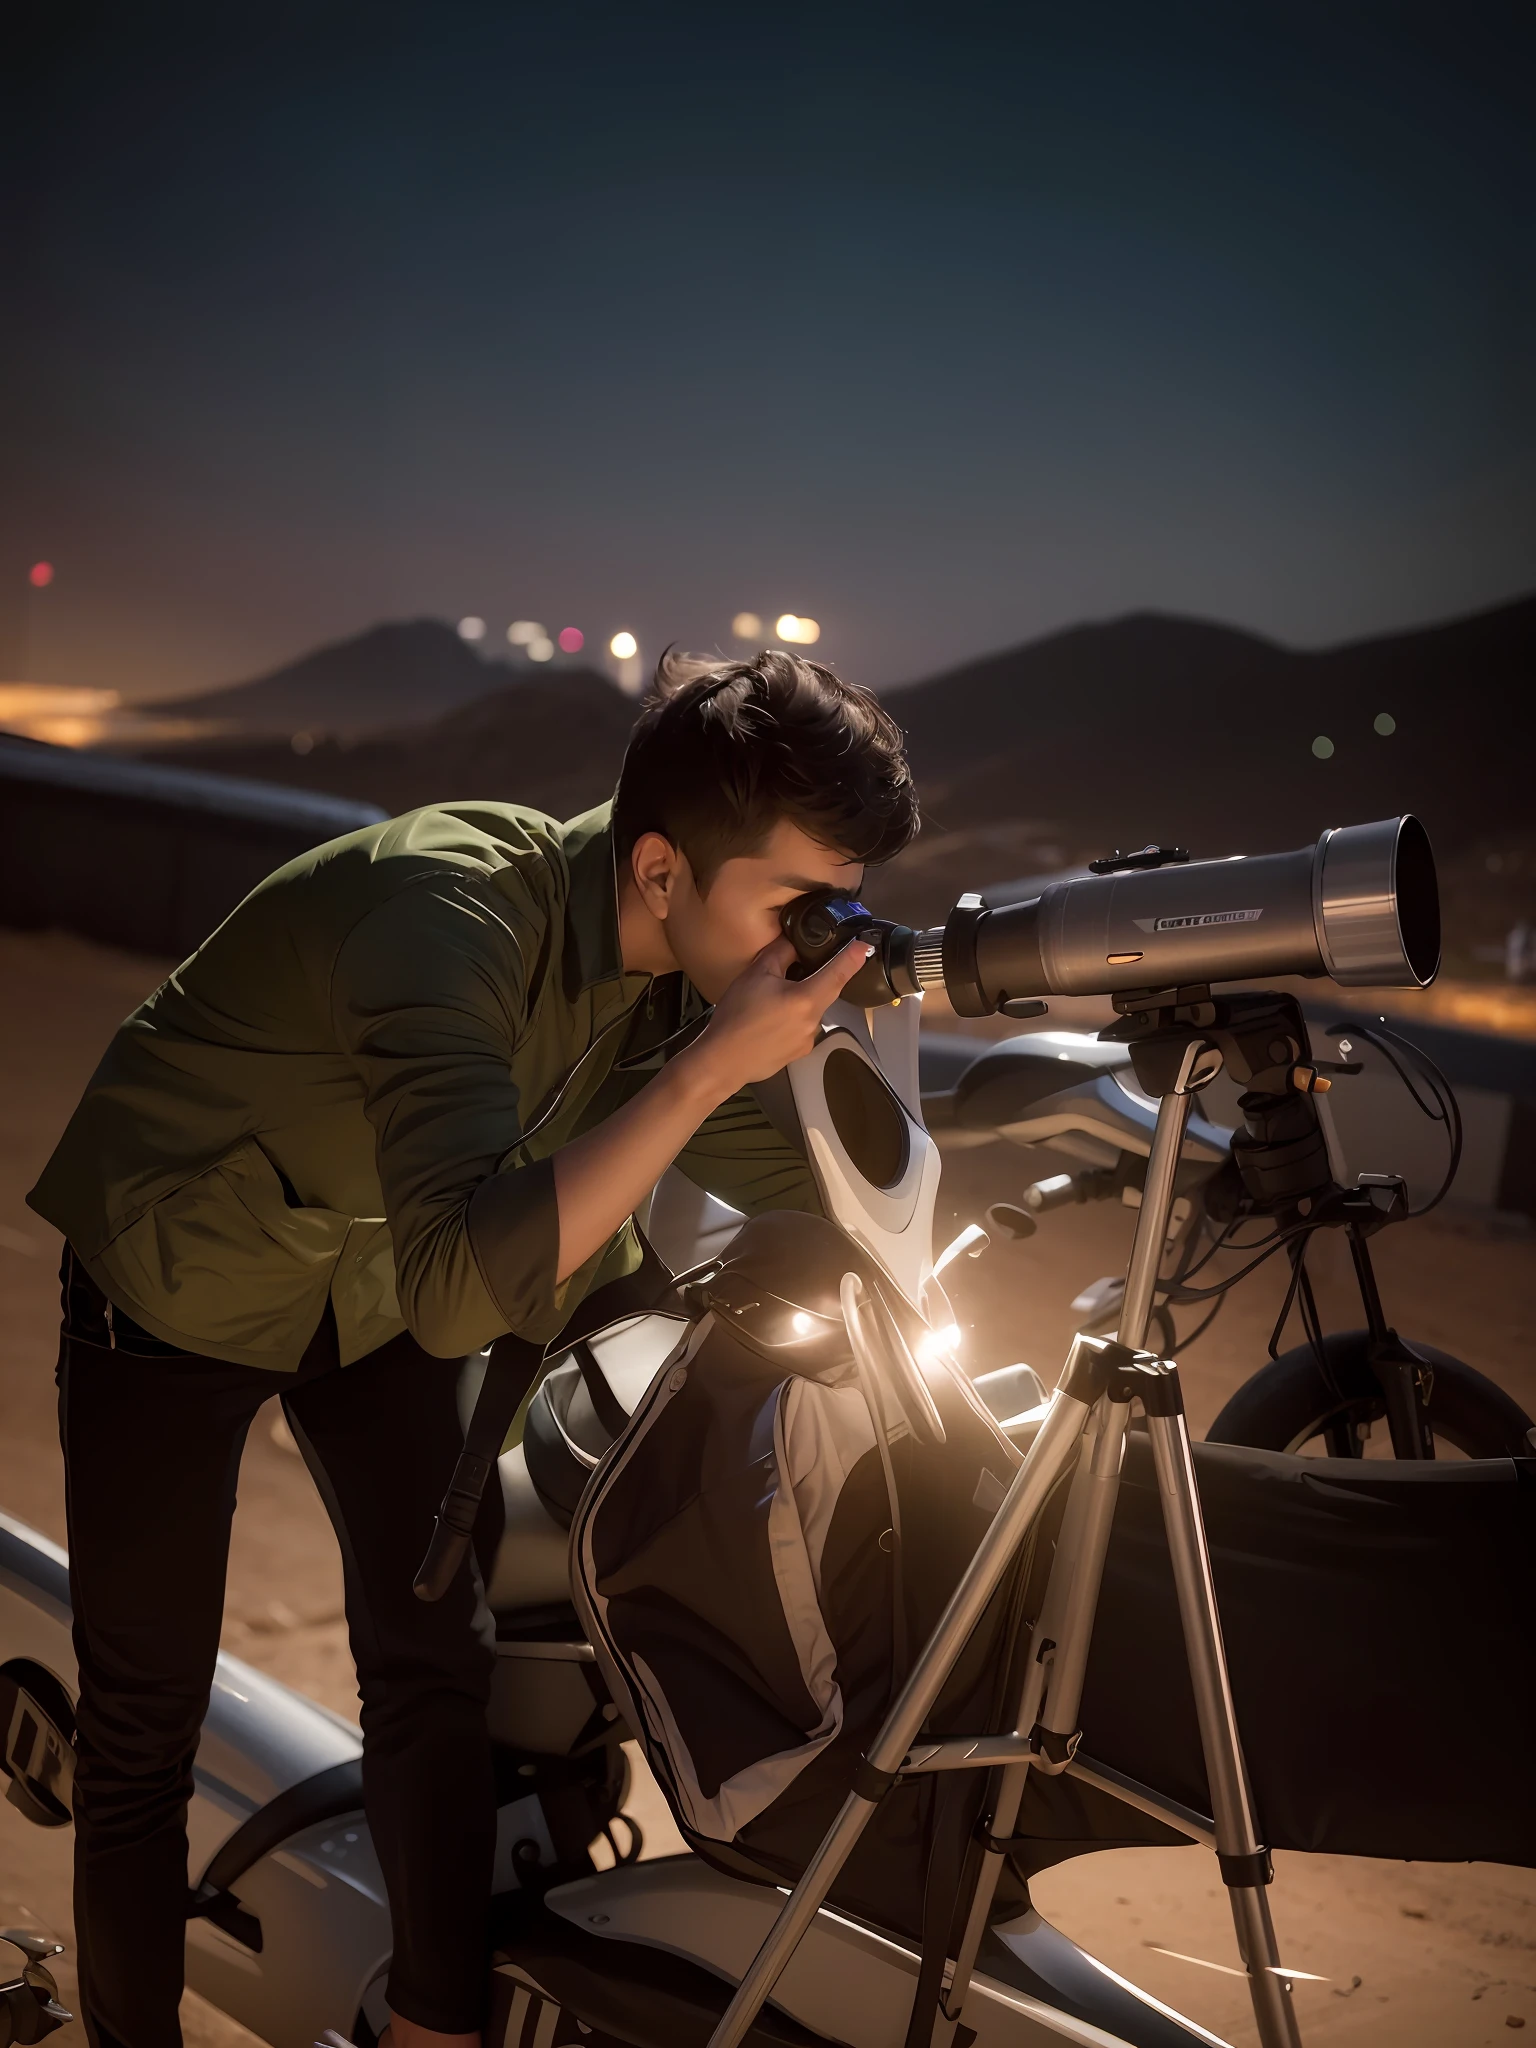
pixel 1361 905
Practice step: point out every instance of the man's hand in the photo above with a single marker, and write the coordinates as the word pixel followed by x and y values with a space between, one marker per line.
pixel 761 1022
pixel 764 1021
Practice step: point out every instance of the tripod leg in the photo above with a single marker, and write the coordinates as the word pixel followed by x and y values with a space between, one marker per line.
pixel 1078 1569
pixel 1048 1457
pixel 1064 1636
pixel 1243 1859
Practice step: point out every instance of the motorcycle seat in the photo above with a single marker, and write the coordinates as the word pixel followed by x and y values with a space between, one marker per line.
pixel 586 1398
pixel 530 1567
pixel 578 1409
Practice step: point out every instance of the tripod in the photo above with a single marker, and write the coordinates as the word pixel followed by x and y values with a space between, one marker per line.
pixel 1087 1422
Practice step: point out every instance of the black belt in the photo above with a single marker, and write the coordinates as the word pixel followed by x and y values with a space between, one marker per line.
pixel 91 1317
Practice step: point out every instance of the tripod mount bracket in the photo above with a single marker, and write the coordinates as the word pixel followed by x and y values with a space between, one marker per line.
pixel 1152 1381
pixel 1052 1751
pixel 1097 1366
pixel 1244 1871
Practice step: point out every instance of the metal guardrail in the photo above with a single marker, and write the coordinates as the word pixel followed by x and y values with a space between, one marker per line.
pixel 143 856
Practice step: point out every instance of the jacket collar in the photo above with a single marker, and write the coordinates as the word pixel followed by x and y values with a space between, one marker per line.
pixel 592 907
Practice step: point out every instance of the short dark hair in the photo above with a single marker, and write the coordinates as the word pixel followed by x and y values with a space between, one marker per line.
pixel 723 750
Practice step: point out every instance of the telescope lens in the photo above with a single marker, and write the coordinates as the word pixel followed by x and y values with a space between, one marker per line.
pixel 1418 901
pixel 1377 906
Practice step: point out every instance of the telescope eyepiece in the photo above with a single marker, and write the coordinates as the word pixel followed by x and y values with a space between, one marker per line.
pixel 819 925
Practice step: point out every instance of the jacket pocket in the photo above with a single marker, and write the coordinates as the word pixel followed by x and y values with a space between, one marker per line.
pixel 226 1264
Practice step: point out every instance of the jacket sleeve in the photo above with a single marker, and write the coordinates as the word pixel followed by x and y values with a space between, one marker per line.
pixel 738 1155
pixel 428 1000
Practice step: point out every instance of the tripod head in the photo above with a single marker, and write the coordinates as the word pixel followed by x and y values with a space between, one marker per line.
pixel 1282 1155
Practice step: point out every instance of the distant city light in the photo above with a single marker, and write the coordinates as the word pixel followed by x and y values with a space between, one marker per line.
pixel 1384 723
pixel 40 575
pixel 523 632
pixel 304 742
pixel 540 649
pixel 469 629
pixel 1322 746
pixel 572 639
pixel 793 629
pixel 63 715
pixel 623 646
pixel 747 626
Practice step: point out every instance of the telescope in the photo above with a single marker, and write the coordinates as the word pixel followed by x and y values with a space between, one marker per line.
pixel 1361 905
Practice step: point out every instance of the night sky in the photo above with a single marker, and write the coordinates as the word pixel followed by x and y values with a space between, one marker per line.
pixel 945 325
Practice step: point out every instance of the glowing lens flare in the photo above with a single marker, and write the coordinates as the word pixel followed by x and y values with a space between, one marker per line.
pixel 471 628
pixel 936 1344
pixel 623 646
pixel 572 639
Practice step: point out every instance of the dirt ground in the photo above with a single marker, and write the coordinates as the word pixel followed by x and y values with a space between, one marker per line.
pixel 1417 1955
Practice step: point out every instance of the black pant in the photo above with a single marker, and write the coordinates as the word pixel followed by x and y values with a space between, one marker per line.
pixel 152 1441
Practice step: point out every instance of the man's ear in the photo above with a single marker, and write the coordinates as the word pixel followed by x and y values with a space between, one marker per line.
pixel 656 864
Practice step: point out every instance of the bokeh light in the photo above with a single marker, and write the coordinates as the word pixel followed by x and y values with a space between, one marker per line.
pixel 801 631
pixel 541 649
pixel 471 628
pixel 523 632
pixel 572 639
pixel 40 575
pixel 623 646
pixel 1384 723
pixel 746 626
pixel 1322 746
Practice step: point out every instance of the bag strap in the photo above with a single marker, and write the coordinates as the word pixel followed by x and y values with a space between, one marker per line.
pixel 606 1405
pixel 510 1370
pixel 943 1892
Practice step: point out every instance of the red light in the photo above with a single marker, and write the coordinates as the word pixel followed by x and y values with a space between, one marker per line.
pixel 572 639
pixel 40 575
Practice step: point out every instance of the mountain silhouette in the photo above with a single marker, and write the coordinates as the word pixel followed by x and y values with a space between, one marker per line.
pixel 406 672
pixel 554 741
pixel 1149 728
pixel 1161 729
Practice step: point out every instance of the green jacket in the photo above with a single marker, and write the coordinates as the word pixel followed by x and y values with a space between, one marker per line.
pixel 330 1096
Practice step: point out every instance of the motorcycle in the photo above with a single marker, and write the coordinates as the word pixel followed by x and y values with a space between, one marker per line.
pixel 847 1331
pixel 1074 1094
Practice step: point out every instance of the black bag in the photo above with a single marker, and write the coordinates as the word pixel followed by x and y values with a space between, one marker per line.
pixel 754 1574
pixel 1380 1627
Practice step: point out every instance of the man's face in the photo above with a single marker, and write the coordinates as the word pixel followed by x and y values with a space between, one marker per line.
pixel 714 936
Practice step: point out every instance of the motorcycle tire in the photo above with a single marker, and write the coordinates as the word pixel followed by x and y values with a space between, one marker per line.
pixel 1290 1402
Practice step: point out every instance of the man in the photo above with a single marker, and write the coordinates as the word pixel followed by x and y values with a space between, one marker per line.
pixel 405 1099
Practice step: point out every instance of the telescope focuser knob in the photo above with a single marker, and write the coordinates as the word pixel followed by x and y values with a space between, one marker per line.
pixel 1149 857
